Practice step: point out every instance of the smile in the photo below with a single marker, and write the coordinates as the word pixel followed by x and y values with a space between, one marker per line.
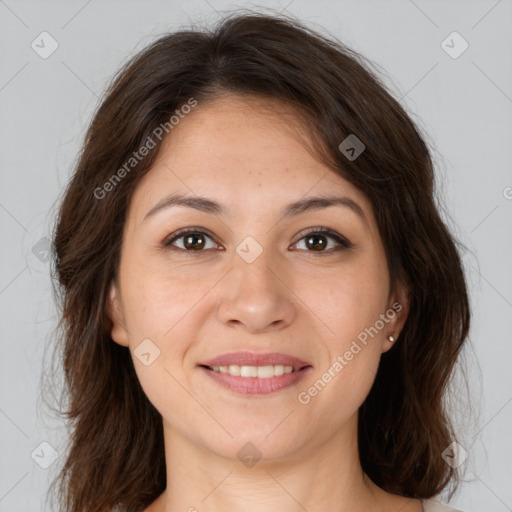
pixel 262 372
pixel 246 380
pixel 254 373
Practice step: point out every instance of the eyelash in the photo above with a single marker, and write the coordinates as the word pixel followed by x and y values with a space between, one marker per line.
pixel 342 242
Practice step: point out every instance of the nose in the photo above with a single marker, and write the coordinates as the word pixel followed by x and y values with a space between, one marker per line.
pixel 256 296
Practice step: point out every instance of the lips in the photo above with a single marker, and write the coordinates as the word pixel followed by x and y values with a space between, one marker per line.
pixel 254 359
pixel 249 373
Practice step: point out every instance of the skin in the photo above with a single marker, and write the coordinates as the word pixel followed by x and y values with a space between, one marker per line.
pixel 253 156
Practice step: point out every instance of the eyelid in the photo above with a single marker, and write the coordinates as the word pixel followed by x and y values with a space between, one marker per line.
pixel 340 239
pixel 343 243
pixel 185 231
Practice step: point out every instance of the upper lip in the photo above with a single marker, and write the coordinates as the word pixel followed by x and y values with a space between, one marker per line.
pixel 254 359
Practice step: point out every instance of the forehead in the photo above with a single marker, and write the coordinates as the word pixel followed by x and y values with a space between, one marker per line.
pixel 250 153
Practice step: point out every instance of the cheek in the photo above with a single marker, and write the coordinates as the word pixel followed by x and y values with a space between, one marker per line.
pixel 157 300
pixel 347 301
pixel 167 308
pixel 159 307
pixel 352 351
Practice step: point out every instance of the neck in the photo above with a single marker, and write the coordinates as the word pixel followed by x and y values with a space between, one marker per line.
pixel 325 476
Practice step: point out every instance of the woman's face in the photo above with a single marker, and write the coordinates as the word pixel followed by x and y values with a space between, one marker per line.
pixel 251 282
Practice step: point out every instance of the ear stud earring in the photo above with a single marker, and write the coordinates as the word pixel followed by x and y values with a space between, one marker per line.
pixel 390 338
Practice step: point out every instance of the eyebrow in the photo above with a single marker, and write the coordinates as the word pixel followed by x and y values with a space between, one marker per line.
pixel 207 205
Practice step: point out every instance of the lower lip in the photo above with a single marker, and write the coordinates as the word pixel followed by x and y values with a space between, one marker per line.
pixel 256 385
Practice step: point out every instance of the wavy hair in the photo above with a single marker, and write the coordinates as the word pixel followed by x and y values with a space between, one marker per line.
pixel 115 459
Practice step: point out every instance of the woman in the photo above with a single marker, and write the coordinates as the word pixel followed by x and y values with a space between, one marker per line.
pixel 261 306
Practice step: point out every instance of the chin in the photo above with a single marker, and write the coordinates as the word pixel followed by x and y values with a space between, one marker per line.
pixel 260 444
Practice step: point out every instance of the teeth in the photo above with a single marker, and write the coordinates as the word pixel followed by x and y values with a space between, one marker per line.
pixel 262 372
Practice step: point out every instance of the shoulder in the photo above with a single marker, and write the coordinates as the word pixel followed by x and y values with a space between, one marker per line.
pixel 433 505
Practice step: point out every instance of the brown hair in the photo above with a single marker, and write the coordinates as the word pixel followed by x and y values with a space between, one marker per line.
pixel 116 451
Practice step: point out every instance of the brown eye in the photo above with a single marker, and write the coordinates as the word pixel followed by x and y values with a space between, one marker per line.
pixel 194 241
pixel 191 240
pixel 318 241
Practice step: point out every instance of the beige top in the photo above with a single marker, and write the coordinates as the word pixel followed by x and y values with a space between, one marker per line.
pixel 436 506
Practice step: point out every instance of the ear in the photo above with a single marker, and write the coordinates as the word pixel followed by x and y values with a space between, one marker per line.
pixel 118 332
pixel 397 312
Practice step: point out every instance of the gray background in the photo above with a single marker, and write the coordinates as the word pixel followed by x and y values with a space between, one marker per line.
pixel 463 103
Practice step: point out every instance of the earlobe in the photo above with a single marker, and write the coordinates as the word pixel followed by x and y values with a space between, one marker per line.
pixel 118 331
pixel 399 306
